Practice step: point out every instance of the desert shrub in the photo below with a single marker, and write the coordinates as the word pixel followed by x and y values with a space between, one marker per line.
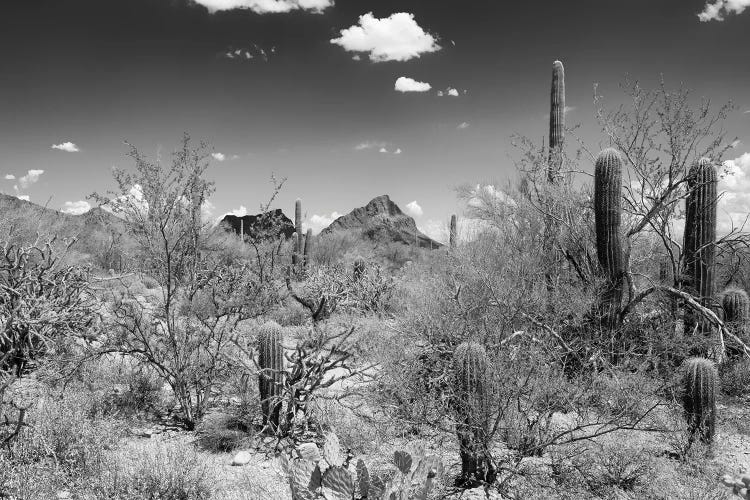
pixel 170 473
pixel 621 468
pixel 735 378
pixel 223 432
pixel 339 247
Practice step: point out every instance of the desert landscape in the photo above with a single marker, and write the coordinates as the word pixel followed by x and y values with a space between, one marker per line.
pixel 576 328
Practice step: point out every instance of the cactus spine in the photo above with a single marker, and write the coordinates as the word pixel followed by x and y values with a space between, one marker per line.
pixel 453 232
pixel 271 376
pixel 308 248
pixel 607 214
pixel 699 398
pixel 472 393
pixel 556 120
pixel 700 230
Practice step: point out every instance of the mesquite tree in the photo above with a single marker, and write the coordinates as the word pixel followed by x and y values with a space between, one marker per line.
pixel 203 295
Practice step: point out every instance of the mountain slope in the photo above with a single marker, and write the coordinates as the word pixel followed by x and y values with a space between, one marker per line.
pixel 382 219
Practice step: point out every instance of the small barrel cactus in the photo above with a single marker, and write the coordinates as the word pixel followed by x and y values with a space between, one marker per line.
pixel 736 306
pixel 699 398
pixel 607 214
pixel 470 366
pixel 271 376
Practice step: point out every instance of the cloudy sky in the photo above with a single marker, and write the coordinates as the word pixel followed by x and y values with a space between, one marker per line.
pixel 348 100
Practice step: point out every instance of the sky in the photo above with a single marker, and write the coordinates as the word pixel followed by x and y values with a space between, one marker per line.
pixel 347 100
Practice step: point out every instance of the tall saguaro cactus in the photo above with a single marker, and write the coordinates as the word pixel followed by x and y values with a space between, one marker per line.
pixel 607 215
pixel 308 248
pixel 298 231
pixel 472 393
pixel 556 120
pixel 699 398
pixel 453 232
pixel 271 376
pixel 700 233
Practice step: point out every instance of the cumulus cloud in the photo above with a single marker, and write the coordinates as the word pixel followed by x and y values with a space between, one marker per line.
pixel 406 84
pixel 239 212
pixel 462 125
pixel 219 156
pixel 68 147
pixel 717 10
pixel 414 209
pixel 9 177
pixel 452 92
pixel 397 152
pixel 394 38
pixel 319 222
pixel 734 203
pixel 252 52
pixel 266 6
pixel 487 194
pixel 369 145
pixel 435 229
pixel 76 207
pixel 134 200
pixel 30 178
pixel 23 197
pixel 382 150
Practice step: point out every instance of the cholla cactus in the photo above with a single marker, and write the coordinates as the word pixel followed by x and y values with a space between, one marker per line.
pixel 271 376
pixel 607 213
pixel 699 398
pixel 313 475
pixel 472 392
pixel 359 268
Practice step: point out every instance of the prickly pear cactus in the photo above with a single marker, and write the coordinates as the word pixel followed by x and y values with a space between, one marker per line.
pixel 271 376
pixel 318 477
pixel 699 398
pixel 608 215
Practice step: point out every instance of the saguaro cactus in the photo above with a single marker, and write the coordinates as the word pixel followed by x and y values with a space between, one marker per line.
pixel 556 120
pixel 472 392
pixel 607 214
pixel 308 248
pixel 699 398
pixel 298 241
pixel 700 231
pixel 453 231
pixel 736 306
pixel 271 376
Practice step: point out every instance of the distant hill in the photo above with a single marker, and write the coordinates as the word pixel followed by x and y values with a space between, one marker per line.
pixel 271 224
pixel 380 219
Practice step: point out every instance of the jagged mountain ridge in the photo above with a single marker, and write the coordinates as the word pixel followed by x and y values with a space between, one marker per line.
pixel 382 218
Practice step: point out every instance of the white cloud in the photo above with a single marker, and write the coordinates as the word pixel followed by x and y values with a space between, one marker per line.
pixel 239 212
pixel 23 197
pixel 382 150
pixel 734 203
pixel 219 156
pixel 369 145
pixel 435 229
pixel 568 109
pixel 397 152
pixel 68 147
pixel 463 125
pixel 133 201
pixel 394 38
pixel 9 177
pixel 406 84
pixel 414 209
pixel 207 210
pixel 30 178
pixel 319 222
pixel 76 207
pixel 717 10
pixel 452 92
pixel 266 6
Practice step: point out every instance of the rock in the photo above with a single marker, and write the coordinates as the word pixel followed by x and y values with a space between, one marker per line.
pixel 242 458
pixel 268 225
pixel 382 219
pixel 143 433
pixel 309 451
pixel 64 494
